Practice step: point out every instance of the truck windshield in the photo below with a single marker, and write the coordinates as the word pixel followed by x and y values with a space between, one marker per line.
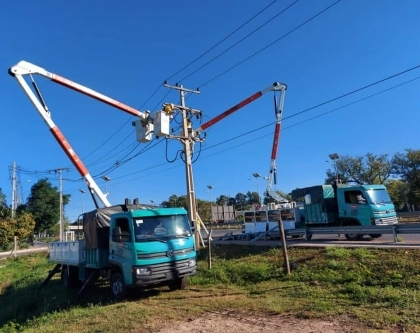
pixel 158 227
pixel 379 196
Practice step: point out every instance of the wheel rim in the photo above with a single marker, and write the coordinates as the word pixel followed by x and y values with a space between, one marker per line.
pixel 117 288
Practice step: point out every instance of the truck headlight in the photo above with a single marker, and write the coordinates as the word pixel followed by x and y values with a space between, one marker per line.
pixel 192 262
pixel 143 271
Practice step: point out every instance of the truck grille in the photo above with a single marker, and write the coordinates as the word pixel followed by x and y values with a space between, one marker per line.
pixel 164 254
pixel 387 220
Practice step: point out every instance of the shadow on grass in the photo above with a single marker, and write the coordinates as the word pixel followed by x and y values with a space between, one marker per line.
pixel 21 302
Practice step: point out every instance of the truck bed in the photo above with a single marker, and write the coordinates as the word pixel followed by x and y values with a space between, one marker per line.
pixel 70 252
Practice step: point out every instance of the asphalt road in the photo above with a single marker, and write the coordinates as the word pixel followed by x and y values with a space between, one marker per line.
pixel 404 240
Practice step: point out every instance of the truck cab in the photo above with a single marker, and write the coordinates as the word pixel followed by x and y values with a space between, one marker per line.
pixel 150 247
pixel 131 246
pixel 366 205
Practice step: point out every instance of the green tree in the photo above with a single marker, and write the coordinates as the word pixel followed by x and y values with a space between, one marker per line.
pixel 22 227
pixel 241 201
pixel 171 202
pixel 368 169
pixel 44 204
pixel 253 198
pixel 5 211
pixel 398 191
pixel 223 200
pixel 407 167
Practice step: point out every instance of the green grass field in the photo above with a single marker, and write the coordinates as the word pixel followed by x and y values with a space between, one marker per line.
pixel 377 290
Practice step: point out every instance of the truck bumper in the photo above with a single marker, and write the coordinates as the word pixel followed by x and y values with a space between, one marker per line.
pixel 161 273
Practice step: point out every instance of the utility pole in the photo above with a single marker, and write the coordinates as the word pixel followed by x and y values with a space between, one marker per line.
pixel 14 190
pixel 187 141
pixel 60 173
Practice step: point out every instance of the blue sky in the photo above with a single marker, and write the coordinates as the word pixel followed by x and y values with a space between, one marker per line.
pixel 127 50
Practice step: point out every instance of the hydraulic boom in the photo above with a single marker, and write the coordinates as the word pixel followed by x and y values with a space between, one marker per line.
pixel 25 68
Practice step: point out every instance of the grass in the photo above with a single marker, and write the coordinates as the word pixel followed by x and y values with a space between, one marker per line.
pixel 375 289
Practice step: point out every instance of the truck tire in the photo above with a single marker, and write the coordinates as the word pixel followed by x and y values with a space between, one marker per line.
pixel 353 237
pixel 69 276
pixel 375 235
pixel 118 287
pixel 178 284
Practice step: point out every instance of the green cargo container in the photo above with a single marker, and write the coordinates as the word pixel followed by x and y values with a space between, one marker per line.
pixel 319 204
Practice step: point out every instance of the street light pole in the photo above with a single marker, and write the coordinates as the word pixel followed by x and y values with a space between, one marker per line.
pixel 211 204
pixel 153 203
pixel 256 176
pixel 107 179
pixel 83 204
pixel 334 157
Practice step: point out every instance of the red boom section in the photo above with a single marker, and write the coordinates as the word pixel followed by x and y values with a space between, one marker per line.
pixel 230 111
pixel 91 93
pixel 275 141
pixel 69 151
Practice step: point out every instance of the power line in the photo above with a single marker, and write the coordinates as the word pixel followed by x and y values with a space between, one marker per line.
pixel 189 64
pixel 291 116
pixel 267 46
pixel 221 41
pixel 240 41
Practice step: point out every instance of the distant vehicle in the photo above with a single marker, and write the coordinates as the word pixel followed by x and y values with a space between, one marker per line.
pixel 346 205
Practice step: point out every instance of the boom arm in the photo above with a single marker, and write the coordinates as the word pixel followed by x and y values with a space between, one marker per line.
pixel 276 86
pixel 26 68
pixel 272 177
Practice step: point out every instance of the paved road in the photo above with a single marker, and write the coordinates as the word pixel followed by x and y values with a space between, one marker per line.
pixel 404 240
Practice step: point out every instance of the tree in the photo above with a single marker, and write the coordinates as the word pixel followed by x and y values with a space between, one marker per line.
pixel 241 201
pixel 253 198
pixel 407 167
pixel 171 202
pixel 44 204
pixel 398 191
pixel 368 169
pixel 223 200
pixel 22 227
pixel 5 211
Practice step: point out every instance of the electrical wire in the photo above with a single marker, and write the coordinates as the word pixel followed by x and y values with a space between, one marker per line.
pixel 267 46
pixel 289 117
pixel 238 42
pixel 221 41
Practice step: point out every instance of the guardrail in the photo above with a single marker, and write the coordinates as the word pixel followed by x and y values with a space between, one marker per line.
pixel 395 230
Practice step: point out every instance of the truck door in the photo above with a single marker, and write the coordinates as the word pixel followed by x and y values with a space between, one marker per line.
pixel 122 246
pixel 355 207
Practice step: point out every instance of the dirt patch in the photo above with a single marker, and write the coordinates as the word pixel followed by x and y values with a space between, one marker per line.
pixel 234 322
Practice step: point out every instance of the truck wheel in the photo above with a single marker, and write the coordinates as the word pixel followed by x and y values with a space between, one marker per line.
pixel 178 284
pixel 118 288
pixel 375 235
pixel 353 237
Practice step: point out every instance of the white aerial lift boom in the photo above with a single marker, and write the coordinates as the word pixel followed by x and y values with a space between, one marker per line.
pixel 272 176
pixel 25 68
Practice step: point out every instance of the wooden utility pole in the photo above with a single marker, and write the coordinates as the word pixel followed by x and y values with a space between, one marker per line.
pixel 60 173
pixel 284 247
pixel 14 190
pixel 187 142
